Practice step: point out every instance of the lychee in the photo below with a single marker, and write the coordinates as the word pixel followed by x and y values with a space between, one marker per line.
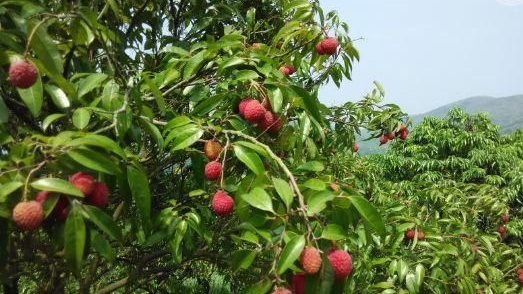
pixel 243 103
pixel 22 74
pixel 409 234
pixel 420 235
pixel 28 215
pixel 100 195
pixel 61 208
pixel 213 170
pixel 41 196
pixel 310 260
pixel 270 123
pixel 504 218
pixel 254 111
pixel 327 46
pixel 390 135
pixel 341 263
pixel 520 278
pixel 266 103
pixel 282 291
pixel 519 271
pixel 403 134
pixel 222 203
pixel 502 229
pixel 355 147
pixel 335 187
pixel 287 70
pixel 83 181
pixel 383 140
pixel 212 149
pixel 256 45
pixel 298 283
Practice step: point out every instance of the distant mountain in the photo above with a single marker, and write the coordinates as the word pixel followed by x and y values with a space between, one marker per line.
pixel 507 112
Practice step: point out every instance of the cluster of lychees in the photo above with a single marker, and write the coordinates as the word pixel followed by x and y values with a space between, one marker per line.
pixel 260 113
pixel 310 260
pixel 22 74
pixel 502 230
pixel 402 132
pixel 410 234
pixel 29 215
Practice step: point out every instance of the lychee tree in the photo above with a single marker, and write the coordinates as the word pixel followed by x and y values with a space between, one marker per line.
pixel 123 128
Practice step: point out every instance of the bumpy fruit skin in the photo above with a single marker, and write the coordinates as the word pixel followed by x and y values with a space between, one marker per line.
pixel 310 260
pixel 298 283
pixel 254 111
pixel 390 135
pixel 266 103
pixel 355 148
pixel 519 271
pixel 61 208
pixel 241 106
pixel 287 70
pixel 520 278
pixel 212 149
pixel 22 74
pixel 319 49
pixel 409 234
pixel 28 215
pixel 403 134
pixel 504 218
pixel 41 196
pixel 213 170
pixel 270 123
pixel 420 235
pixel 329 45
pixel 84 182
pixel 502 229
pixel 282 291
pixel 335 187
pixel 341 263
pixel 222 203
pixel 383 140
pixel 100 195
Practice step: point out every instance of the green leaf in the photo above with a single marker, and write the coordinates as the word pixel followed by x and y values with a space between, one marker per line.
pixel 33 97
pixel 154 132
pixel 103 221
pixel 243 75
pixel 261 287
pixel 50 119
pixel 315 184
pixel 7 189
pixel 94 160
pixel 242 259
pixel 81 117
pixel 98 141
pixel 420 275
pixel 57 185
pixel 158 96
pixel 309 102
pixel 74 243
pixel 208 105
pixel 90 83
pixel 276 98
pixel 102 246
pixel 315 166
pixel 141 194
pixel 369 213
pixel 258 149
pixel 4 112
pixel 291 252
pixel 284 190
pixel 233 61
pixel 249 158
pixel 333 232
pixel 259 198
pixel 193 65
pixel 186 138
pixel 46 50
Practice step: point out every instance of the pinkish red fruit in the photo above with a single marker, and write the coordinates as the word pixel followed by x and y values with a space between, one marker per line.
pixel 383 140
pixel 409 234
pixel 28 215
pixel 390 135
pixel 310 260
pixel 504 218
pixel 222 203
pixel 420 235
pixel 282 291
pixel 254 111
pixel 287 70
pixel 502 229
pixel 298 283
pixel 100 195
pixel 213 170
pixel 319 49
pixel 341 263
pixel 327 46
pixel 355 147
pixel 61 208
pixel 22 74
pixel 520 279
pixel 270 123
pixel 83 181
pixel 403 134
pixel 41 196
pixel 241 106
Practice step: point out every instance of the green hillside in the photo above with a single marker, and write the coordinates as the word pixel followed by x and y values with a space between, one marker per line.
pixel 507 112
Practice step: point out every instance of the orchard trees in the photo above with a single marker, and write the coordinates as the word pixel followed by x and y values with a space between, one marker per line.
pixel 132 140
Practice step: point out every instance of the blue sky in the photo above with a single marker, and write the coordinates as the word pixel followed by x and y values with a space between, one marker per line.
pixel 427 53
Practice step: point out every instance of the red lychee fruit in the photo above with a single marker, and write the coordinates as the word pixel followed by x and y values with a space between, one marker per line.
pixel 287 70
pixel 222 203
pixel 409 234
pixel 266 103
pixel 282 291
pixel 241 106
pixel 310 260
pixel 519 271
pixel 213 170
pixel 41 196
pixel 502 229
pixel 83 181
pixel 319 49
pixel 100 195
pixel 329 45
pixel 355 148
pixel 61 208
pixel 403 134
pixel 256 45
pixel 270 123
pixel 335 187
pixel 420 235
pixel 520 279
pixel 504 218
pixel 383 140
pixel 22 74
pixel 28 215
pixel 341 263
pixel 298 283
pixel 390 135
pixel 212 149
pixel 254 111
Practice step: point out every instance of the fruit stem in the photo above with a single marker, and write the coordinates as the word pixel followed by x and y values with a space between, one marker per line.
pixel 29 176
pixel 31 35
